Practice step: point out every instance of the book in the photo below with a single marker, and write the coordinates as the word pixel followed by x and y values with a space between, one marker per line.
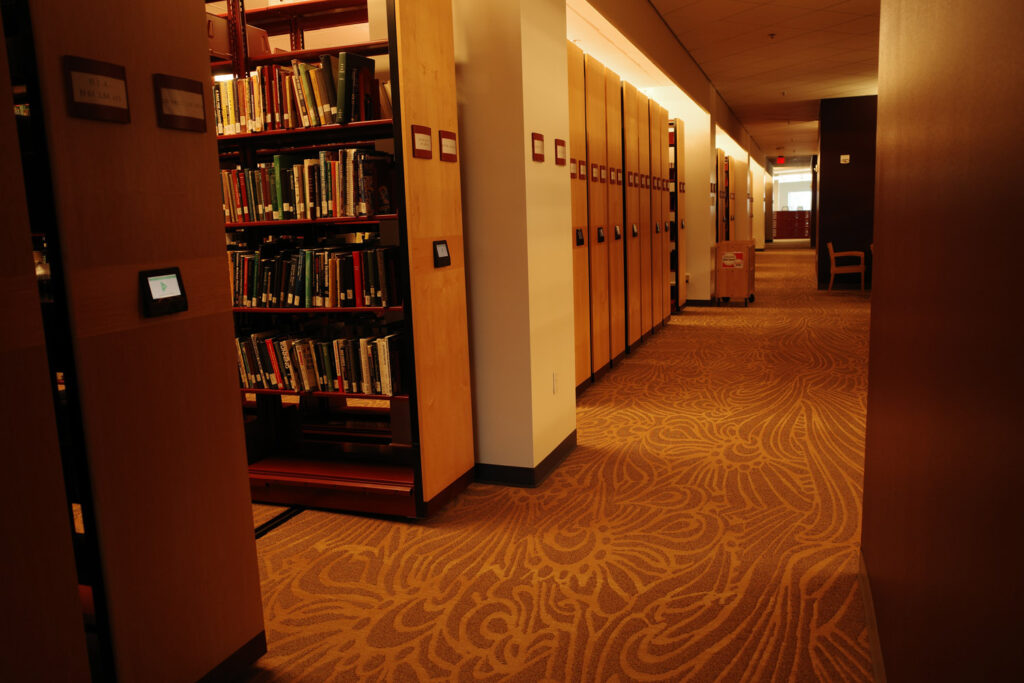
pixel 333 184
pixel 369 364
pixel 347 87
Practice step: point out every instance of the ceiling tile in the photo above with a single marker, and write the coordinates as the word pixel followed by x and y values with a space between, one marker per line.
pixel 866 7
pixel 702 12
pixel 820 19
pixel 860 25
pixel 767 17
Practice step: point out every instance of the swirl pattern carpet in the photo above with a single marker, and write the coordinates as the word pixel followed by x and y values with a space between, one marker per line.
pixel 706 528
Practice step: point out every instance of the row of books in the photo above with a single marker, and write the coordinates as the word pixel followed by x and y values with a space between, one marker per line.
pixel 354 365
pixel 338 89
pixel 315 278
pixel 332 184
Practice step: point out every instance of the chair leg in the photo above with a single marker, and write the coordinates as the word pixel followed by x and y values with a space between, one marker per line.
pixel 831 279
pixel 862 280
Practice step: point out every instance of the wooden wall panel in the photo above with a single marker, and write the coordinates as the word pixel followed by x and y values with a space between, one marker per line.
pixel 646 227
pixel 433 201
pixel 631 149
pixel 680 189
pixel 616 233
pixel 597 156
pixel 846 192
pixel 657 219
pixel 42 633
pixel 160 401
pixel 942 511
pixel 666 236
pixel 580 252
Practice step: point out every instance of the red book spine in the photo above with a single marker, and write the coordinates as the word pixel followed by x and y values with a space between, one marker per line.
pixel 243 213
pixel 273 361
pixel 265 179
pixel 240 184
pixel 357 278
pixel 275 97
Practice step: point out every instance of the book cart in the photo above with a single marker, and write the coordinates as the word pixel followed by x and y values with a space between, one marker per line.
pixel 376 426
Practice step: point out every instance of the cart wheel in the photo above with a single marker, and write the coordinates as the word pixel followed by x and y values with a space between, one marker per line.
pixel 751 298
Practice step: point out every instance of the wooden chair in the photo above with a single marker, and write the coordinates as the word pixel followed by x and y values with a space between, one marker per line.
pixel 833 255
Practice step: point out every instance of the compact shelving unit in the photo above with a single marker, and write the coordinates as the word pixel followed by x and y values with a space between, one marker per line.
pixel 403 454
pixel 677 212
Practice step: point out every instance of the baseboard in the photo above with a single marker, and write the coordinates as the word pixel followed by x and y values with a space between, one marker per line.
pixel 615 361
pixel 602 371
pixel 582 386
pixel 239 661
pixel 453 489
pixel 528 477
pixel 700 302
pixel 877 662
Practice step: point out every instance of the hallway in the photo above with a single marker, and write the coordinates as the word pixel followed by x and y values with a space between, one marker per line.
pixel 706 527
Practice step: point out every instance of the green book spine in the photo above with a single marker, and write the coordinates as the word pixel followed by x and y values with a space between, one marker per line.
pixel 340 86
pixel 307 93
pixel 279 212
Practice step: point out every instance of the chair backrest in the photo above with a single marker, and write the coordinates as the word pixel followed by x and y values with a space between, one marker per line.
pixel 831 252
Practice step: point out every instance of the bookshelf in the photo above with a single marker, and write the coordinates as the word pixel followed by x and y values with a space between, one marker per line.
pixel 403 451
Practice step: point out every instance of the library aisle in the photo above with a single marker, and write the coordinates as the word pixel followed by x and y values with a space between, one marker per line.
pixel 705 528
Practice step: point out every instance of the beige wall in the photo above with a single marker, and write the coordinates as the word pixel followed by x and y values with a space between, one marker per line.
pixel 548 212
pixel 512 81
pixel 942 523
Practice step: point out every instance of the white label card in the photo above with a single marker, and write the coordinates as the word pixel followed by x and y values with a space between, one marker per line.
pixel 421 141
pixel 175 102
pixel 572 167
pixel 538 147
pixel 97 89
pixel 560 153
pixel 448 146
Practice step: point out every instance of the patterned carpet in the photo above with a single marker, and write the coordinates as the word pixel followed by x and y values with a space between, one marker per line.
pixel 705 529
pixel 262 514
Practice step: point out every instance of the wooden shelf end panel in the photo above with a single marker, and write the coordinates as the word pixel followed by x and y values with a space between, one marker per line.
pixel 424 48
pixel 597 181
pixel 615 218
pixel 631 152
pixel 580 243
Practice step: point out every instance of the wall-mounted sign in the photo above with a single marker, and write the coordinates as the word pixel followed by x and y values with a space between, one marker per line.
pixel 844 158
pixel 449 145
pixel 179 103
pixel 537 146
pixel 422 147
pixel 559 152
pixel 95 90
